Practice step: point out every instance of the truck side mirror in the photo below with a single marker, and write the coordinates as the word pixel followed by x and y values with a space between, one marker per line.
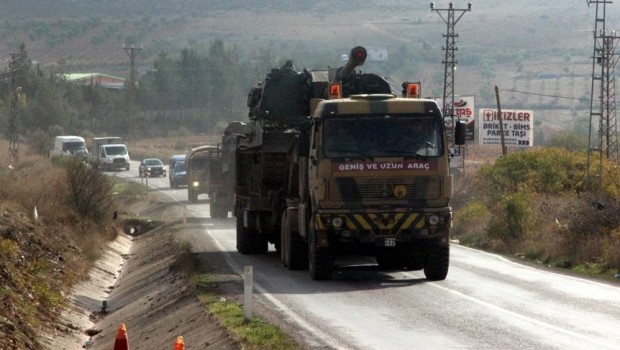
pixel 459 132
pixel 303 145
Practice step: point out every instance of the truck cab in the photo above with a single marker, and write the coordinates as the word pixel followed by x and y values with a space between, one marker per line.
pixel 109 153
pixel 379 184
pixel 197 167
pixel 114 156
pixel 71 146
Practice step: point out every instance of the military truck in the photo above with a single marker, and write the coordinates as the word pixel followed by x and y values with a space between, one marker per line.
pixel 221 171
pixel 196 168
pixel 335 163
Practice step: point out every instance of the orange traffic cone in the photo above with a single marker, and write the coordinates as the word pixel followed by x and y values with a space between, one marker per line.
pixel 121 342
pixel 179 345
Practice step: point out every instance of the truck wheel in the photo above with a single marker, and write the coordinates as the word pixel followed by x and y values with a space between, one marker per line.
pixel 223 211
pixel 261 245
pixel 193 196
pixel 437 263
pixel 285 255
pixel 216 211
pixel 320 259
pixel 294 251
pixel 213 213
pixel 245 237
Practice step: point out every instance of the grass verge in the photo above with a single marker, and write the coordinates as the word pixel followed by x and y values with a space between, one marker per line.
pixel 251 334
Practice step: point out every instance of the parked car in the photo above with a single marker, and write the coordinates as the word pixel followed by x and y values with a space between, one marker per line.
pixel 152 167
pixel 178 176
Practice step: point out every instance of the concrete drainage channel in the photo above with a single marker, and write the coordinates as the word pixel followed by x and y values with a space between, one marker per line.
pixel 136 284
pixel 88 301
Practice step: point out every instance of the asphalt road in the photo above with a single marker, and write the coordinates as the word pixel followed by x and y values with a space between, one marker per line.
pixel 486 302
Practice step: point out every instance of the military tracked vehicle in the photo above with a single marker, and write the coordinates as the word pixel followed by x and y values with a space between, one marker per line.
pixel 335 163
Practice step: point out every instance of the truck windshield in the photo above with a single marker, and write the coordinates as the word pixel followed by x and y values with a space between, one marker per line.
pixel 74 146
pixel 116 150
pixel 386 135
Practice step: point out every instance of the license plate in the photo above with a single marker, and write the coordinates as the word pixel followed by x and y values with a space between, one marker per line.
pixel 390 242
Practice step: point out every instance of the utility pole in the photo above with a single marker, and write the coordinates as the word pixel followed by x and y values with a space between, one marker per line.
pixel 14 69
pixel 450 57
pixel 501 122
pixel 603 91
pixel 132 52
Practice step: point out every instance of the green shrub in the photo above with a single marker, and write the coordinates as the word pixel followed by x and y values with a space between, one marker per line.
pixel 90 191
pixel 544 171
pixel 512 219
pixel 470 224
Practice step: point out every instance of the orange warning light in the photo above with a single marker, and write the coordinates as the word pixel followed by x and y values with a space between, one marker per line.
pixel 413 90
pixel 335 91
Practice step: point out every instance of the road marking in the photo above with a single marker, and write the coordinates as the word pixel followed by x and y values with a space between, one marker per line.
pixel 327 339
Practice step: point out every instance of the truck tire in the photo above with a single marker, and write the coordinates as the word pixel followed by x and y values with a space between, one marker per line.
pixel 320 259
pixel 245 237
pixel 221 212
pixel 293 250
pixel 437 263
pixel 216 211
pixel 261 245
pixel 213 213
pixel 192 195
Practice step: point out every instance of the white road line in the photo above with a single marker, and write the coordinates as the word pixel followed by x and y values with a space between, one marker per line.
pixel 329 340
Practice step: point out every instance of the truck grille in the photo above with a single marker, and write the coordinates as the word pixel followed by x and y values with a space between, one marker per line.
pixel 347 188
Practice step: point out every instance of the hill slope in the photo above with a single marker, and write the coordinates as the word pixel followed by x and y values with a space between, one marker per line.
pixel 500 43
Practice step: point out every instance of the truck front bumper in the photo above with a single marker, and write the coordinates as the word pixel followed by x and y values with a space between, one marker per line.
pixel 382 229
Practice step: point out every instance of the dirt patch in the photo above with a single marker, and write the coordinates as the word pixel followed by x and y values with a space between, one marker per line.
pixel 140 287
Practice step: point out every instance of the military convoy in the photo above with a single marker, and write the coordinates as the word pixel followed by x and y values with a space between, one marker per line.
pixel 332 162
pixel 196 171
pixel 211 170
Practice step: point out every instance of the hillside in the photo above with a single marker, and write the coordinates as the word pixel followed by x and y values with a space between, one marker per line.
pixel 500 43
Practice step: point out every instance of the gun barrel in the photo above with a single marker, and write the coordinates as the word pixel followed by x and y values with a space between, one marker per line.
pixel 357 57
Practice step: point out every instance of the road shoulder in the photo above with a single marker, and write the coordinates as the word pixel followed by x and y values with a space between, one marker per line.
pixel 142 288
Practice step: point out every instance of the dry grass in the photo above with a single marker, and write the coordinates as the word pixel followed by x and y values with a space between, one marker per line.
pixel 164 148
pixel 40 257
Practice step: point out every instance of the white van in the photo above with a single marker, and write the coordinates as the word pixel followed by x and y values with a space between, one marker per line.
pixel 109 153
pixel 71 146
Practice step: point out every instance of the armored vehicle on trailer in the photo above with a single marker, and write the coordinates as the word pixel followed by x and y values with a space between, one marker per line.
pixel 335 163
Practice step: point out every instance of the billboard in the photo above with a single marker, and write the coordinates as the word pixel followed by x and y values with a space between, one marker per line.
pixel 464 108
pixel 518 127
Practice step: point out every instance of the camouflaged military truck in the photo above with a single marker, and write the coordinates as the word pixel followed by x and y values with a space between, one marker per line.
pixel 197 171
pixel 335 163
pixel 221 171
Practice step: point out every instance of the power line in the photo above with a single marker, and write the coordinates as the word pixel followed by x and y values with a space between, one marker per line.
pixel 545 95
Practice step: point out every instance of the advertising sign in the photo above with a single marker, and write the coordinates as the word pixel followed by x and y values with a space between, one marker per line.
pixel 464 109
pixel 518 127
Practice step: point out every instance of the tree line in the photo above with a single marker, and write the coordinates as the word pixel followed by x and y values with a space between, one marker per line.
pixel 192 92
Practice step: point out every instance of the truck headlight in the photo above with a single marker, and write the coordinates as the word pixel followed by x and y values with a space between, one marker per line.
pixel 337 222
pixel 433 219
